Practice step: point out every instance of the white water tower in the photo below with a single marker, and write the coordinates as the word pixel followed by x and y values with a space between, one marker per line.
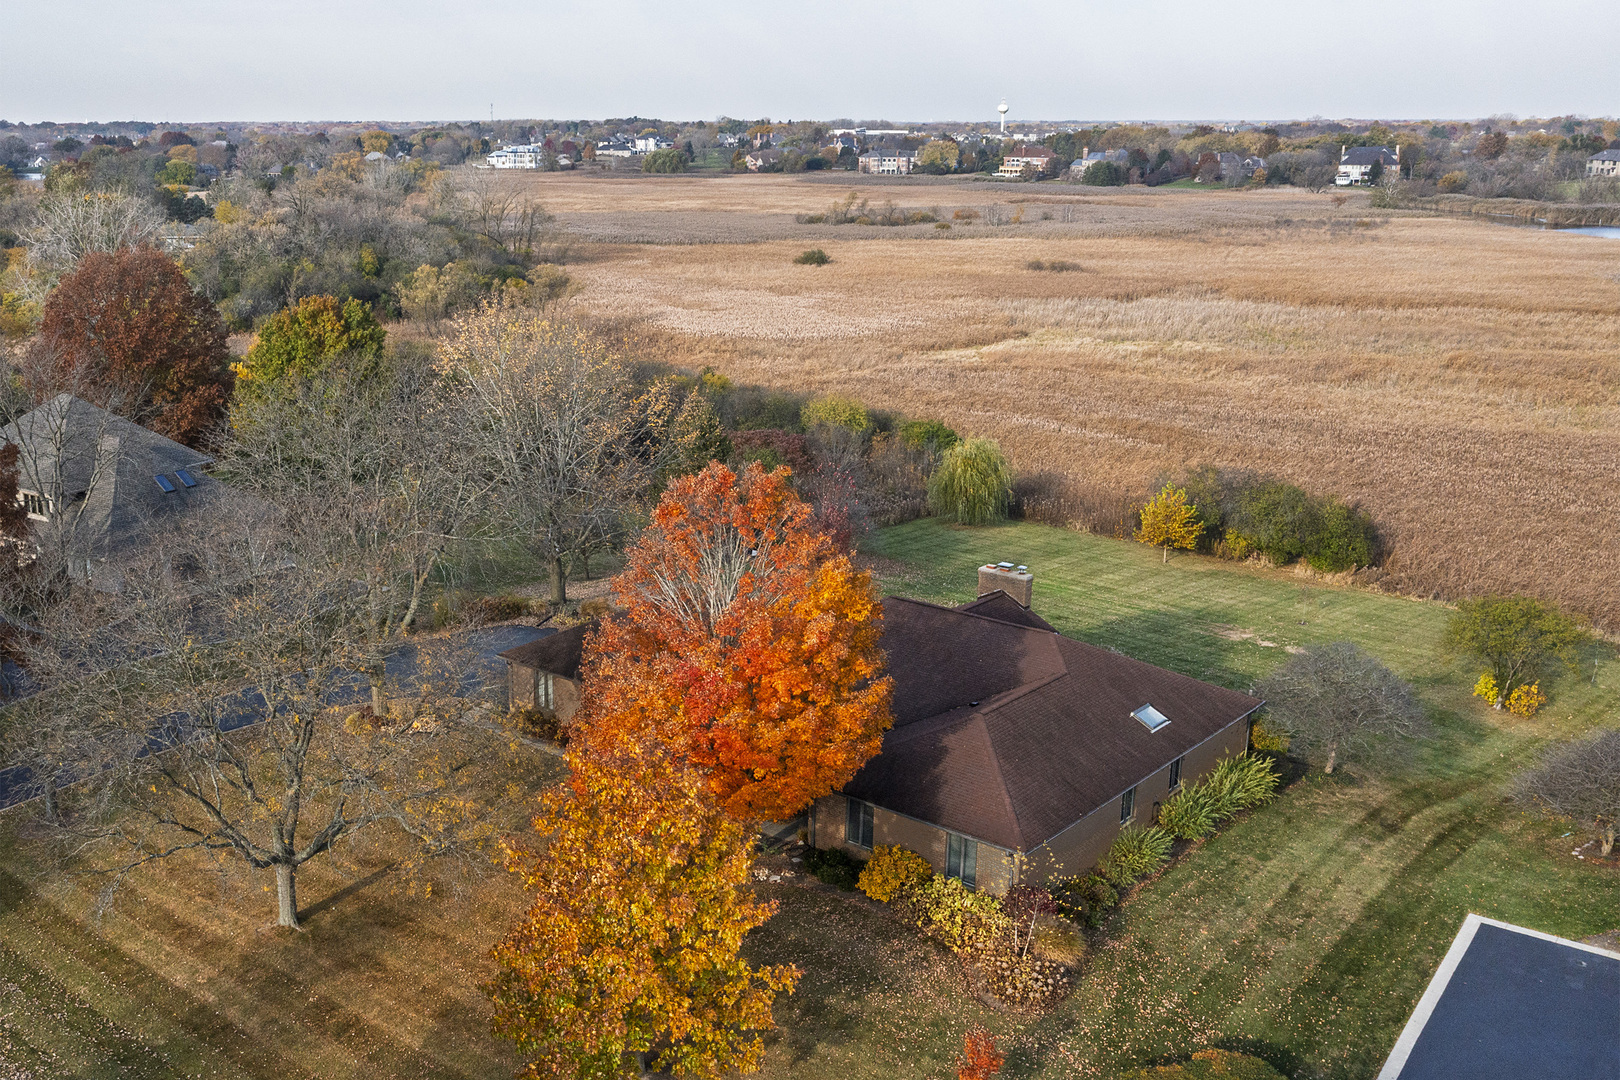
pixel 1002 109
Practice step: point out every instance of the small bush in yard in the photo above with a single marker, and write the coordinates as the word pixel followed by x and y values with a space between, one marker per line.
pixel 891 870
pixel 963 920
pixel 1083 898
pixel 813 257
pixel 1209 1065
pixel 539 723
pixel 834 866
pixel 1136 854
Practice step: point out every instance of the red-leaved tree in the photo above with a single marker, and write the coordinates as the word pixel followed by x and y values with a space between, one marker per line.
pixel 980 1058
pixel 126 331
pixel 747 643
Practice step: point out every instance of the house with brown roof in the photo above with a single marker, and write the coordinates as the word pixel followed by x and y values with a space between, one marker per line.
pixel 544 674
pixel 1017 753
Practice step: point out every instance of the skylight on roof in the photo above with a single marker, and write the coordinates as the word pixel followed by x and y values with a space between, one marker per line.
pixel 1151 718
pixel 165 483
pixel 186 478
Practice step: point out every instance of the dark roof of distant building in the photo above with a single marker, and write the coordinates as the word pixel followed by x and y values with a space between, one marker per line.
pixel 1509 1003
pixel 1367 155
pixel 1606 155
pixel 1032 150
pixel 1006 731
pixel 558 653
pixel 109 479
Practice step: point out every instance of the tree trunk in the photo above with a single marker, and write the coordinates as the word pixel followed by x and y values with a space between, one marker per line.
pixel 286 895
pixel 1608 839
pixel 559 581
pixel 1166 560
pixel 52 811
pixel 1333 757
pixel 379 705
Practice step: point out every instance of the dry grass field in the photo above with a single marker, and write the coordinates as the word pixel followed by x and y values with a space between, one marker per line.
pixel 1460 379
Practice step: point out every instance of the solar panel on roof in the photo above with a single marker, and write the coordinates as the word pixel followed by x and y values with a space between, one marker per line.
pixel 186 478
pixel 164 482
pixel 1151 718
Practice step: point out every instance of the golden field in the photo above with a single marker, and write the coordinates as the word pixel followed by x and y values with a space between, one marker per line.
pixel 1459 379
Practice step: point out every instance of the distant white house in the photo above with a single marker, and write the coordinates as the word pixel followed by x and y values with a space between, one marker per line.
pixel 646 144
pixel 1606 163
pixel 1357 163
pixel 1015 163
pixel 618 146
pixel 517 157
pixel 887 162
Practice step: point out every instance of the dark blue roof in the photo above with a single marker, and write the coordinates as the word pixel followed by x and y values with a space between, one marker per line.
pixel 1513 1004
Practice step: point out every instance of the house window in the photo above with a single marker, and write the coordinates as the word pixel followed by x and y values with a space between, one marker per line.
pixel 1127 806
pixel 34 503
pixel 1175 774
pixel 858 826
pixel 543 691
pixel 961 858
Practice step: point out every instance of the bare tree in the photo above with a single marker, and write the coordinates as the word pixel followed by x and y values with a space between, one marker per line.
pixel 384 467
pixel 73 225
pixel 491 206
pixel 561 436
pixel 199 710
pixel 1337 703
pixel 1579 780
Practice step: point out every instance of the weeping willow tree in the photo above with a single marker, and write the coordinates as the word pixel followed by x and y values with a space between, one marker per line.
pixel 972 484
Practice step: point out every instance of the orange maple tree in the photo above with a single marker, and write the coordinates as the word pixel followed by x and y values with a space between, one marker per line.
pixel 980 1058
pixel 629 955
pixel 746 643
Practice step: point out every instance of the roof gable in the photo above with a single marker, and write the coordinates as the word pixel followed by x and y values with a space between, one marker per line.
pixel 558 653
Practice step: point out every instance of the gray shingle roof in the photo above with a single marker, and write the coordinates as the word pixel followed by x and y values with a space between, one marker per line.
pixel 1606 155
pixel 1367 155
pixel 99 472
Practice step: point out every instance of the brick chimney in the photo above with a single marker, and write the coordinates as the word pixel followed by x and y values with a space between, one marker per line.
pixel 1016 581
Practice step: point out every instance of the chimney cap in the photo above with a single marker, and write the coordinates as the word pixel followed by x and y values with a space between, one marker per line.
pixel 1005 565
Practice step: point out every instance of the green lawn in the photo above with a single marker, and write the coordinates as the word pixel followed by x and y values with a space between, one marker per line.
pixel 1304 933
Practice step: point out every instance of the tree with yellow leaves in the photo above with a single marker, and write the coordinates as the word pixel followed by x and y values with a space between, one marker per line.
pixel 629 956
pixel 1169 522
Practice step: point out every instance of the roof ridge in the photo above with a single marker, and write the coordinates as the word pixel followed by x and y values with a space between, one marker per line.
pixel 972 614
pixel 1000 778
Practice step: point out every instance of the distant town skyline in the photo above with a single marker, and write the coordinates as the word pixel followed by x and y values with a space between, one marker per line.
pixel 77 61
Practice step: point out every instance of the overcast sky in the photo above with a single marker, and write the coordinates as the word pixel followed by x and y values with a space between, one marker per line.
pixel 200 60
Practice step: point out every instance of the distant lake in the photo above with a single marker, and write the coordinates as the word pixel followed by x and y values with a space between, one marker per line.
pixel 1611 231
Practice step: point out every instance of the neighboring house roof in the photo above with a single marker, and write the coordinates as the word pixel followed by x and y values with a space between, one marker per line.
pixel 1006 731
pixel 768 154
pixel 558 653
pixel 1032 152
pixel 73 452
pixel 1606 155
pixel 1367 155
pixel 1508 1003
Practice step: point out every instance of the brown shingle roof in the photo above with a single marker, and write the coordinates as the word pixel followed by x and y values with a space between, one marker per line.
pixel 998 605
pixel 1012 733
pixel 557 653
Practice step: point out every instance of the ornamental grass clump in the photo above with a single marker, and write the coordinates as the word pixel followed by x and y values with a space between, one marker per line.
pixel 1187 814
pixel 1239 783
pixel 891 871
pixel 1136 853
